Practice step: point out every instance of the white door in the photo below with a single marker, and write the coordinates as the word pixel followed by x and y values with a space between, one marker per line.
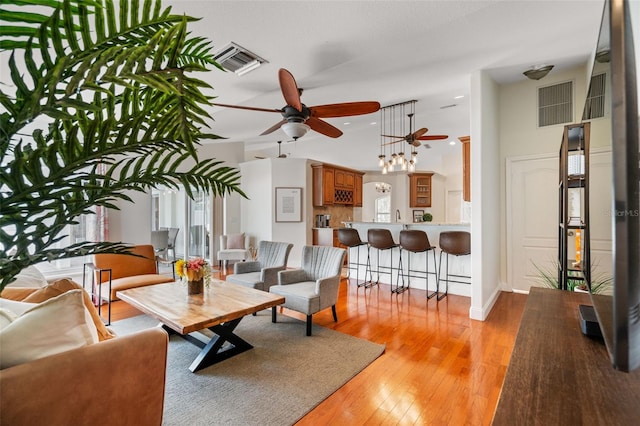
pixel 532 220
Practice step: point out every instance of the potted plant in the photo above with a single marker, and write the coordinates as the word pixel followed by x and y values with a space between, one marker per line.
pixel 122 112
pixel 427 217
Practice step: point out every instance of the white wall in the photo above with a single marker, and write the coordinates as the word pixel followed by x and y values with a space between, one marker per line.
pixel 259 180
pixel 485 181
pixel 520 135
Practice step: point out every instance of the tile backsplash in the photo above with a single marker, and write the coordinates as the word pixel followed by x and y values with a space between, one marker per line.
pixel 338 214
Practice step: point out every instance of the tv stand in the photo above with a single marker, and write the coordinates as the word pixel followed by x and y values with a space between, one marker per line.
pixel 557 375
pixel 589 322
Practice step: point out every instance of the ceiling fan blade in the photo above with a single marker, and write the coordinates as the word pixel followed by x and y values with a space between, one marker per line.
pixel 273 128
pixel 392 142
pixel 249 108
pixel 419 132
pixel 323 127
pixel 433 137
pixel 345 109
pixel 289 89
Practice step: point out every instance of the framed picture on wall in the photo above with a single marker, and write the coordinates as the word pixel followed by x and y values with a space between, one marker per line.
pixel 417 215
pixel 288 204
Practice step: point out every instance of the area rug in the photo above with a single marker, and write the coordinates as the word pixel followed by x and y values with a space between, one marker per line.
pixel 282 378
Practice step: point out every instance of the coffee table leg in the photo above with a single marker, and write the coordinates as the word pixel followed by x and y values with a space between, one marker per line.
pixel 214 351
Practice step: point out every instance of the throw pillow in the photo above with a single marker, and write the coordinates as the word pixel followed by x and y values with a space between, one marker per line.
pixel 62 286
pixel 29 277
pixel 235 241
pixel 17 307
pixel 57 325
pixel 6 318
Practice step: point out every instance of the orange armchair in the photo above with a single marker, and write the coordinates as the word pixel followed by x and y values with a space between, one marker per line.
pixel 122 271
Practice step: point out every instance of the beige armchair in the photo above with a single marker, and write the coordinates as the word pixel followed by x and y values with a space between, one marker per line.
pixel 315 286
pixel 261 274
pixel 233 247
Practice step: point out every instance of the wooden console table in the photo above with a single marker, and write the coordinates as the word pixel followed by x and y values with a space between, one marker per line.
pixel 558 376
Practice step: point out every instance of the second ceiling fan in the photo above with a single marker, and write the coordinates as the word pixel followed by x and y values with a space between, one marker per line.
pixel 414 138
pixel 297 118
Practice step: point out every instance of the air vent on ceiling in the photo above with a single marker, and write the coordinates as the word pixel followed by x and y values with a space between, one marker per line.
pixel 594 106
pixel 237 59
pixel 555 104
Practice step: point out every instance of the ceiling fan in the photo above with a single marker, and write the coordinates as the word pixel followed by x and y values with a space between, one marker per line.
pixel 297 118
pixel 280 154
pixel 414 138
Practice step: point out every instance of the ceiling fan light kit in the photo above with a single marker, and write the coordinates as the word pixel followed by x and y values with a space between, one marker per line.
pixel 295 130
pixel 537 73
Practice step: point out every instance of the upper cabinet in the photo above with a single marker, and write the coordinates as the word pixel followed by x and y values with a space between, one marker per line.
pixel 420 189
pixel 357 190
pixel 466 167
pixel 334 185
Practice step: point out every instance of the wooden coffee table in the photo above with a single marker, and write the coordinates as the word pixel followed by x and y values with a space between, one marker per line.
pixel 220 309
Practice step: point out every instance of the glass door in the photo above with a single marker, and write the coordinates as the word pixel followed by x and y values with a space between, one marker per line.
pixel 193 219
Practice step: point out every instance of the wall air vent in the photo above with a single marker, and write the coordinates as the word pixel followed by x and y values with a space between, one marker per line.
pixel 555 104
pixel 595 104
pixel 237 59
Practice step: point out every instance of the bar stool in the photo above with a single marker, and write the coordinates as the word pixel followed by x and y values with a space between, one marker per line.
pixel 456 243
pixel 415 241
pixel 350 238
pixel 379 239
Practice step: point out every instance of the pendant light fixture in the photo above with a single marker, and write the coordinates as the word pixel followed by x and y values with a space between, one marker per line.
pixel 392 122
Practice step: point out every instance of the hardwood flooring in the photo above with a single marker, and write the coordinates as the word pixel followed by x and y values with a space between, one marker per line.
pixel 439 366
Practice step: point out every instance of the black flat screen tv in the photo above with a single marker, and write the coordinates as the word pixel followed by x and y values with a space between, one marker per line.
pixel 618 309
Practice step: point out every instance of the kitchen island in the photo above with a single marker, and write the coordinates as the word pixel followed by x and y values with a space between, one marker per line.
pixel 460 267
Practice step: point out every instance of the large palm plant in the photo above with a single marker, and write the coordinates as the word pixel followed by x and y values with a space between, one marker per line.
pixel 113 86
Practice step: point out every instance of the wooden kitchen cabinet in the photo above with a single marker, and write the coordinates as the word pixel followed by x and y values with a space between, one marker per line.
pixel 420 189
pixel 344 179
pixel 323 185
pixel 334 185
pixel 466 167
pixel 357 190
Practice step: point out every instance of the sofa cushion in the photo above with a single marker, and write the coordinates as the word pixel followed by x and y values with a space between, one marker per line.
pixel 249 279
pixel 235 241
pixel 29 277
pixel 62 286
pixel 301 297
pixel 57 325
pixel 133 282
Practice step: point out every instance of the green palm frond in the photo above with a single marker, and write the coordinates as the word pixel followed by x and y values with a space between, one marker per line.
pixel 125 114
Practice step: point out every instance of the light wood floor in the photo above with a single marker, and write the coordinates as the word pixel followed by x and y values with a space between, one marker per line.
pixel 439 366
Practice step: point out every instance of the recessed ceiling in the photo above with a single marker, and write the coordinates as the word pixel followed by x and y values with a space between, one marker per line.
pixel 386 51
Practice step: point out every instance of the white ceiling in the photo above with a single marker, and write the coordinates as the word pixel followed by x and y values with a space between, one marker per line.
pixel 385 51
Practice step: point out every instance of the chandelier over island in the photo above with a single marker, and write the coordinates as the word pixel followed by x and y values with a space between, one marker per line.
pixel 392 122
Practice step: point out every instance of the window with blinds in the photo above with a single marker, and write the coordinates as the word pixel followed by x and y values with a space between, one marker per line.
pixel 555 104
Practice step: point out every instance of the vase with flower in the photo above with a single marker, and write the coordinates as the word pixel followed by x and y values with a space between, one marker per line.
pixel 196 273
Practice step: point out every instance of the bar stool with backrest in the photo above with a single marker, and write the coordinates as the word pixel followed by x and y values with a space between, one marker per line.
pixel 350 238
pixel 456 243
pixel 379 239
pixel 415 241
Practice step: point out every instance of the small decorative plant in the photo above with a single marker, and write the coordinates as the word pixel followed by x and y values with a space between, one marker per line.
pixel 427 217
pixel 194 270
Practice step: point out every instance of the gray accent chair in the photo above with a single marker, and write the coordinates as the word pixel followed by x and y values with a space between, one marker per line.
pixel 315 286
pixel 262 273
